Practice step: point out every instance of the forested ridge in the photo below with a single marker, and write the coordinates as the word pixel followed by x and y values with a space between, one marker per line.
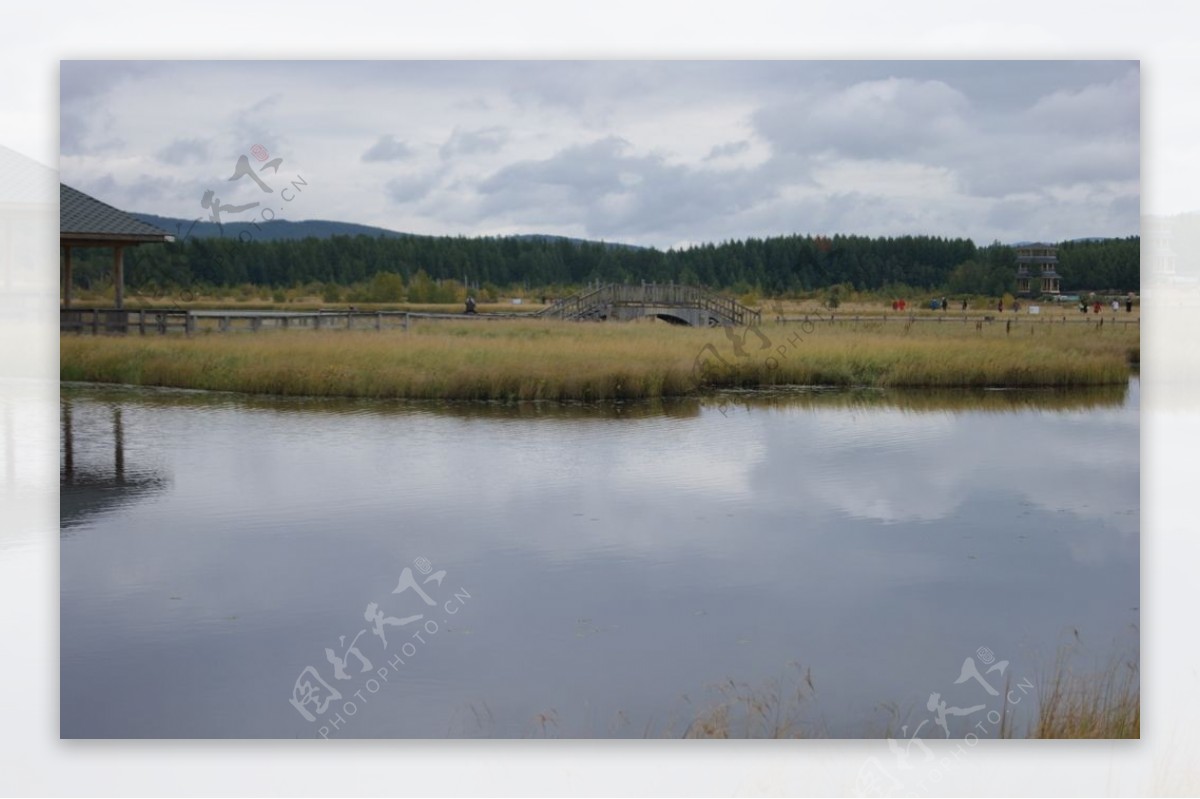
pixel 772 266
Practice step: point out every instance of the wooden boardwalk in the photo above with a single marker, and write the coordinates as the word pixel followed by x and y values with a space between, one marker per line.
pixel 162 321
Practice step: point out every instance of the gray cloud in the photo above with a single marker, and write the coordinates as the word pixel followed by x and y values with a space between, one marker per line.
pixel 649 152
pixel 141 193
pixel 413 188
pixel 727 149
pixel 181 151
pixel 388 149
pixel 468 142
pixel 72 132
pixel 617 192
pixel 87 130
pixel 1110 109
pixel 875 119
pixel 81 81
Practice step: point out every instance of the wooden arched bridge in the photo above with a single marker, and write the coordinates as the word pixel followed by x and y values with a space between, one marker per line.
pixel 681 305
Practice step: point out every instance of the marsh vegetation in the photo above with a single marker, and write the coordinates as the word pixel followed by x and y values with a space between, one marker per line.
pixel 543 360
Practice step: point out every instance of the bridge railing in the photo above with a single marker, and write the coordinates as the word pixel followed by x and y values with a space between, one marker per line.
pixel 669 294
pixel 577 304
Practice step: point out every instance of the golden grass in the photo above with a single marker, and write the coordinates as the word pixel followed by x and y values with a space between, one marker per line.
pixel 1072 702
pixel 774 709
pixel 1071 705
pixel 545 360
pixel 1102 705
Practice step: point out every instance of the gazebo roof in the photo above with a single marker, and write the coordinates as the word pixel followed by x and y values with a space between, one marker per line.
pixel 85 221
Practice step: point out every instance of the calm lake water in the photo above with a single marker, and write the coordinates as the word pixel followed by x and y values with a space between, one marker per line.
pixel 584 570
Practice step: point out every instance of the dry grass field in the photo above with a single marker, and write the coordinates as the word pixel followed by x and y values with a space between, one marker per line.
pixel 546 360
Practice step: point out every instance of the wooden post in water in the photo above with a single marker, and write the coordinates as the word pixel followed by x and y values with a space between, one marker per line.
pixel 118 446
pixel 68 442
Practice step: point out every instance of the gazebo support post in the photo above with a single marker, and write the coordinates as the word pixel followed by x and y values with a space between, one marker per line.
pixel 119 276
pixel 67 280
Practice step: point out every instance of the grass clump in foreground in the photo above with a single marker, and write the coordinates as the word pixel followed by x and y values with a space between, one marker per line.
pixel 1103 705
pixel 1072 703
pixel 543 360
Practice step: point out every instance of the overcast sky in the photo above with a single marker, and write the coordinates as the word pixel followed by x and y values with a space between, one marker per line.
pixel 657 153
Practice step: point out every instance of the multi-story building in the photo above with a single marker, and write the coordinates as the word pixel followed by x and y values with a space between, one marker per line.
pixel 1037 262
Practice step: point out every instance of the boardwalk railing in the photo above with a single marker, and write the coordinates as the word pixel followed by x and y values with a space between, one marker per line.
pixel 114 320
pixel 178 320
pixel 594 303
pixel 1032 320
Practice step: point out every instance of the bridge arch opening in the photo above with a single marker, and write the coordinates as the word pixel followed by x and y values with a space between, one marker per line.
pixel 672 319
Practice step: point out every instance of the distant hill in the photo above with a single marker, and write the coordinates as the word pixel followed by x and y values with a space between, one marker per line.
pixel 286 230
pixel 275 230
